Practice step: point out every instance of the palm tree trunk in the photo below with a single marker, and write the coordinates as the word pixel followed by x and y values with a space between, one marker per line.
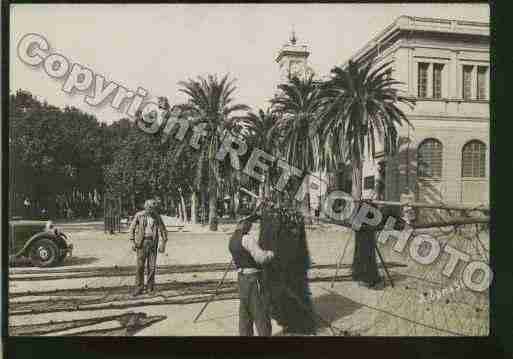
pixel 179 211
pixel 306 203
pixel 212 205
pixel 165 201
pixel 236 203
pixel 194 207
pixel 203 205
pixel 132 198
pixel 267 186
pixel 173 208
pixel 199 190
pixel 184 208
pixel 232 203
pixel 356 190
pixel 364 267
pixel 212 191
pixel 261 190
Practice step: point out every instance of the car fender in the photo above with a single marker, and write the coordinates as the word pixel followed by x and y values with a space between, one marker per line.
pixel 34 238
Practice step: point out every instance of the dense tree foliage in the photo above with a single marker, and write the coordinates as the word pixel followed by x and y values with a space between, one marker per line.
pixel 65 159
pixel 56 157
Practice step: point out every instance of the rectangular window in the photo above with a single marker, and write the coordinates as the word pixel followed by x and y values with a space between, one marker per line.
pixel 368 182
pixel 437 80
pixel 467 82
pixel 423 81
pixel 481 83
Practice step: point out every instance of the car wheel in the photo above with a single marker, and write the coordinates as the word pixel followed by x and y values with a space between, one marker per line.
pixel 44 253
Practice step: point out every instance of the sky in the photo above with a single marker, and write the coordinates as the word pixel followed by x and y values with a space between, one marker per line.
pixel 156 46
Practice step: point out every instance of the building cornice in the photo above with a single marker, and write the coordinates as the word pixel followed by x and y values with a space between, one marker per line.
pixel 290 51
pixel 441 47
pixel 426 25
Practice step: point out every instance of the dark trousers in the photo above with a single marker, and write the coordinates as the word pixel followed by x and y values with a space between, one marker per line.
pixel 146 257
pixel 254 306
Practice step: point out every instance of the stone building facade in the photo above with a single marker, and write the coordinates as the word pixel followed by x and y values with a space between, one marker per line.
pixel 444 66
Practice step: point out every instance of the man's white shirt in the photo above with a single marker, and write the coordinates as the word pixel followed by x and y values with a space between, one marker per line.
pixel 148 231
pixel 250 243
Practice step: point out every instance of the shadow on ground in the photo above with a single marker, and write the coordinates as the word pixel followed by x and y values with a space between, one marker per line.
pixel 73 261
pixel 332 307
pixel 329 308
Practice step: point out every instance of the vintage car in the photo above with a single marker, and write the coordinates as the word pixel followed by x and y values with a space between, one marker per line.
pixel 39 241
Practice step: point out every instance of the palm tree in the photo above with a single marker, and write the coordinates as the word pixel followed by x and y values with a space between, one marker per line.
pixel 298 107
pixel 260 135
pixel 211 102
pixel 362 106
pixel 259 127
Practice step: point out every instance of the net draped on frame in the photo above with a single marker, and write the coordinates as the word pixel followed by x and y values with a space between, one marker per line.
pixel 282 230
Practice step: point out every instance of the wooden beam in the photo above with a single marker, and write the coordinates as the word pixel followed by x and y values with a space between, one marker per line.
pixel 450 222
pixel 448 207
pixel 453 222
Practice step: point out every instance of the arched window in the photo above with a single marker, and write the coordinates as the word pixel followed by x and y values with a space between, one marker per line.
pixel 473 160
pixel 429 159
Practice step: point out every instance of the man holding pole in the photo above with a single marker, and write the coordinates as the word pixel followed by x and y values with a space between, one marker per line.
pixel 147 233
pixel 248 258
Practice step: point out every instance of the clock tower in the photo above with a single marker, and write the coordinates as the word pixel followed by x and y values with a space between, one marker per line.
pixel 292 59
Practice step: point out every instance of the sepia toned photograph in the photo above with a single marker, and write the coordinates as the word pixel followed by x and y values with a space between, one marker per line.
pixel 248 170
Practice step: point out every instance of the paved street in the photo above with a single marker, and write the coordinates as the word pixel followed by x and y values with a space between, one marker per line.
pixel 89 294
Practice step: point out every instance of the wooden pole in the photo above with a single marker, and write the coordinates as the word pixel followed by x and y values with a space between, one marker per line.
pixel 215 293
pixel 451 222
pixel 448 207
pixel 384 265
pixel 339 263
pixel 249 192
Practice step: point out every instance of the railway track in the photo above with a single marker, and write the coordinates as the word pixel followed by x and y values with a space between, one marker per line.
pixel 114 325
pixel 99 300
pixel 92 272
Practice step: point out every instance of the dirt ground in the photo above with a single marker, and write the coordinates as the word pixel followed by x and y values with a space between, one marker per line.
pixel 90 293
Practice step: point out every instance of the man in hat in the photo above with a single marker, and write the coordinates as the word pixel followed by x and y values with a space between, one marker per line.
pixel 248 258
pixel 147 233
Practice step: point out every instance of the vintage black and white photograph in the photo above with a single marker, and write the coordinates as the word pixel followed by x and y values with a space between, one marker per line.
pixel 249 170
